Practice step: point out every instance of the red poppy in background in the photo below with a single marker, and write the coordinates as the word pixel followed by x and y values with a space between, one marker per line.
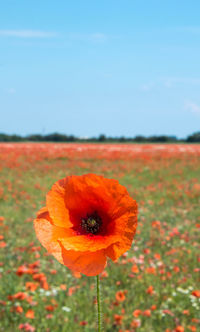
pixel 87 219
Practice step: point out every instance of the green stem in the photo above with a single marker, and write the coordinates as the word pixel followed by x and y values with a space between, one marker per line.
pixel 98 304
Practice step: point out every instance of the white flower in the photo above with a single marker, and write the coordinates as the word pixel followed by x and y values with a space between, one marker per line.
pixel 54 291
pixel 67 309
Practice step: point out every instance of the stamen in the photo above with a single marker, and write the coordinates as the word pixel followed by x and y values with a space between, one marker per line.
pixel 91 224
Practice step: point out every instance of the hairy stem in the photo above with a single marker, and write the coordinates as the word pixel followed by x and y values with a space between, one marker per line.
pixel 99 304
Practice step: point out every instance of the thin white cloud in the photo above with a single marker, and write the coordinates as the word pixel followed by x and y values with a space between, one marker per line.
pixel 27 33
pixel 192 107
pixel 98 37
pixel 190 29
pixel 11 91
pixel 94 37
pixel 147 86
pixel 172 81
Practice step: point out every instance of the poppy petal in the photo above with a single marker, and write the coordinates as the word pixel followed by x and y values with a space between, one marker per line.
pixel 87 263
pixel 100 192
pixel 47 234
pixel 116 250
pixel 56 205
pixel 90 192
pixel 128 231
pixel 87 242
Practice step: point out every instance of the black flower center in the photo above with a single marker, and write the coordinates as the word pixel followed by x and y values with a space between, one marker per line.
pixel 91 224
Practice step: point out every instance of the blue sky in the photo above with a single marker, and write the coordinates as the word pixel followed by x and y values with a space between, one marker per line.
pixel 89 67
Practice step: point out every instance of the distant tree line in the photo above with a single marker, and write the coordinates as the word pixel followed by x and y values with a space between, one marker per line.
pixel 56 137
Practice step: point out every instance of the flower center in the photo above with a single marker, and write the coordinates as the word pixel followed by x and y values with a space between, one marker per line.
pixel 91 223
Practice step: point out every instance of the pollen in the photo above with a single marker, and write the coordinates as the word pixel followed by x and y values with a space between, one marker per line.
pixel 91 224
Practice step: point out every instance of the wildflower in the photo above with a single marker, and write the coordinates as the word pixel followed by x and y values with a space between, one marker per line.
pixel 179 329
pixel 156 224
pixel 23 269
pixel 196 293
pixel 118 319
pixel 104 274
pixel 63 287
pixel 136 323
pixel 26 327
pixel 150 290
pixel 151 270
pixel 49 316
pixel 168 312
pixel 72 290
pixel 18 309
pixel 76 274
pixel 32 286
pixel 186 312
pixel 30 314
pixel 157 256
pixel 135 269
pixel 83 323
pixel 67 309
pixel 153 307
pixel 50 307
pixel 87 219
pixel 120 296
pixel 176 269
pixel 147 313
pixel 137 313
pixel 42 279
pixel 18 296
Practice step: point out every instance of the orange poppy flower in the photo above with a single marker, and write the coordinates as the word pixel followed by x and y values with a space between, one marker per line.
pixel 87 219
pixel 120 296
pixel 30 314
pixel 196 293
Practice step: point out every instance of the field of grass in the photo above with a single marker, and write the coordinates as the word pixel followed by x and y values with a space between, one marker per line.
pixel 155 287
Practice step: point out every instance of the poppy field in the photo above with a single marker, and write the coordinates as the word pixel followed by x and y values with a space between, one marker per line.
pixel 153 287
